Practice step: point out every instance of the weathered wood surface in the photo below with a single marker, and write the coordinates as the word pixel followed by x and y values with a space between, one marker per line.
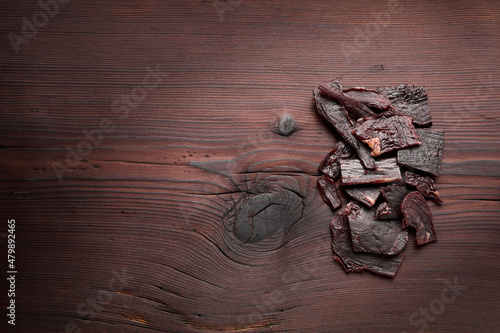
pixel 131 237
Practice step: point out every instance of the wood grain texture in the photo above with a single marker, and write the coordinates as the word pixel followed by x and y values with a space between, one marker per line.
pixel 128 129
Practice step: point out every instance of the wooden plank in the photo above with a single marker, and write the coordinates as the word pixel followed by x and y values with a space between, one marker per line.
pixel 128 235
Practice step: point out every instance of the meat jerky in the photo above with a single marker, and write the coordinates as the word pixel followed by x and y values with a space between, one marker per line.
pixel 428 155
pixel 366 194
pixel 330 165
pixel 371 98
pixel 410 101
pixel 335 115
pixel 424 185
pixel 370 235
pixel 417 215
pixel 386 132
pixel 358 261
pixel 394 195
pixel 353 173
pixel 354 107
pixel 328 192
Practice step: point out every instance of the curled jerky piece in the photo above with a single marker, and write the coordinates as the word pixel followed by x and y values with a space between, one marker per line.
pixel 353 173
pixel 358 261
pixel 394 195
pixel 335 114
pixel 328 192
pixel 386 132
pixel 410 101
pixel 424 185
pixel 366 194
pixel 370 235
pixel 428 155
pixel 330 165
pixel 371 98
pixel 354 107
pixel 417 215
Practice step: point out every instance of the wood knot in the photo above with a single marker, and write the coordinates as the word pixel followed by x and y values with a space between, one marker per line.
pixel 286 126
pixel 262 212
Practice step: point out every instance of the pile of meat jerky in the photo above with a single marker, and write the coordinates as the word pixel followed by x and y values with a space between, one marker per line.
pixel 385 163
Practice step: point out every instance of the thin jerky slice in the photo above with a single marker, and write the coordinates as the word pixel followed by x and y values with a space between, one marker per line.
pixel 386 132
pixel 335 114
pixel 328 192
pixel 410 101
pixel 424 185
pixel 366 194
pixel 370 235
pixel 371 98
pixel 418 216
pixel 354 107
pixel 353 173
pixel 358 261
pixel 330 165
pixel 428 155
pixel 394 195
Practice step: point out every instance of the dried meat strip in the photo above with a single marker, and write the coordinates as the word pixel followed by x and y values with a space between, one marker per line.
pixel 418 216
pixel 353 173
pixel 373 99
pixel 354 107
pixel 370 235
pixel 386 132
pixel 394 195
pixel 326 187
pixel 410 101
pixel 357 261
pixel 334 113
pixel 426 156
pixel 366 194
pixel 424 185
pixel 330 165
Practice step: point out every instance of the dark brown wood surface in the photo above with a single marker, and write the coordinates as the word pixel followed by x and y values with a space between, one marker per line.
pixel 119 179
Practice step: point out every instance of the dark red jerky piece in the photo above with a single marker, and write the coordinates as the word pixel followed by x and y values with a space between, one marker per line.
pixel 418 216
pixel 410 101
pixel 330 165
pixel 335 115
pixel 424 185
pixel 426 156
pixel 366 194
pixel 358 261
pixel 371 98
pixel 353 173
pixel 384 211
pixel 355 108
pixel 370 235
pixel 386 132
pixel 328 192
pixel 394 195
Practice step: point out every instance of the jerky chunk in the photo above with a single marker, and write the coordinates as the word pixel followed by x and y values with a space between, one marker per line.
pixel 386 132
pixel 394 195
pixel 354 107
pixel 352 172
pixel 417 215
pixel 370 235
pixel 357 261
pixel 328 192
pixel 424 185
pixel 335 114
pixel 410 101
pixel 330 165
pixel 427 156
pixel 371 98
pixel 366 194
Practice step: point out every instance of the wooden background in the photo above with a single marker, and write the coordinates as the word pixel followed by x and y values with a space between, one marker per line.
pixel 123 233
